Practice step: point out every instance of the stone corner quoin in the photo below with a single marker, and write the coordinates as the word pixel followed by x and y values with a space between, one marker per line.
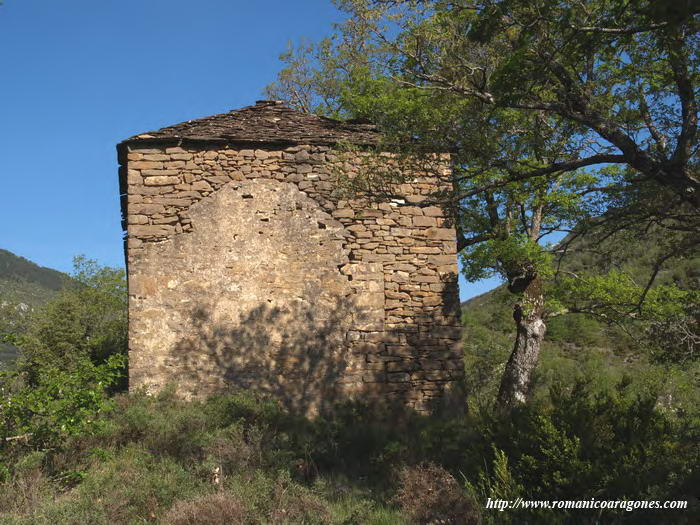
pixel 248 268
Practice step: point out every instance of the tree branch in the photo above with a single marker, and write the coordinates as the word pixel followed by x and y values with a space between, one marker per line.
pixel 689 111
pixel 556 167
pixel 619 30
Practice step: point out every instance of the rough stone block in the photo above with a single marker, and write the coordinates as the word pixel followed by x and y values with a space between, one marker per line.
pixel 433 211
pixel 145 165
pixel 160 173
pixel 161 180
pixel 147 209
pixel 150 230
pixel 441 233
pixel 155 157
pixel 138 219
pixel 420 221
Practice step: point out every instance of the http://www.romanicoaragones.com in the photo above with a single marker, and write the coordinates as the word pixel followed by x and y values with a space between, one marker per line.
pixel 628 505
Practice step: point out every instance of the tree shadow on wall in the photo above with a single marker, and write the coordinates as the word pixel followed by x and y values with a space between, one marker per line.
pixel 297 353
pixel 301 354
pixel 451 306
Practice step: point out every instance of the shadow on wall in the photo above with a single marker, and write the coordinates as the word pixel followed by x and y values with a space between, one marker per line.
pixel 310 355
pixel 296 353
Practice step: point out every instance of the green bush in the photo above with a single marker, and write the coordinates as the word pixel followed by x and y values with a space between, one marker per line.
pixel 72 355
pixel 131 487
pixel 58 403
pixel 590 444
pixel 157 458
pixel 88 319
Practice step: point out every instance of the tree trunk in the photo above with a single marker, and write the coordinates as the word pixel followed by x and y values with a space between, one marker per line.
pixel 528 316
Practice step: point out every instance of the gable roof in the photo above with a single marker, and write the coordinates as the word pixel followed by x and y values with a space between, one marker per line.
pixel 267 122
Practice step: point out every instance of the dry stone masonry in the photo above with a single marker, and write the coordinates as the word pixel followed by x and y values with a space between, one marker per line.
pixel 248 268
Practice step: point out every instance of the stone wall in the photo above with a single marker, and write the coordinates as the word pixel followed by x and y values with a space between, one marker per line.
pixel 247 268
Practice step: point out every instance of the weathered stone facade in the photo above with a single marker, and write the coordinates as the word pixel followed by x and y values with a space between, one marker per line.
pixel 249 269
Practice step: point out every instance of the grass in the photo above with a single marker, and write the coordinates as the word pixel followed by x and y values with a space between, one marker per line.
pixel 591 431
pixel 232 459
pixel 237 458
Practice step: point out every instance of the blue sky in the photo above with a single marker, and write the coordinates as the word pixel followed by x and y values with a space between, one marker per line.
pixel 79 76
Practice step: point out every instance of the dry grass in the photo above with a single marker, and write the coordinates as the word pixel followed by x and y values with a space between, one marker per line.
pixel 430 495
pixel 210 509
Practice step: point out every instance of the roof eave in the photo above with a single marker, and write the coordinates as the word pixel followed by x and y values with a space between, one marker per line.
pixel 235 141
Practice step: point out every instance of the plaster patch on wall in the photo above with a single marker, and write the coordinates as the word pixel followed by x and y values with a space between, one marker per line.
pixel 252 297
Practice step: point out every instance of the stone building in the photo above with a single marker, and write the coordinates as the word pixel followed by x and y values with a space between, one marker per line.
pixel 248 268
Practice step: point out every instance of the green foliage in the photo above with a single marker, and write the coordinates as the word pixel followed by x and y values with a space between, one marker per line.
pixel 605 421
pixel 590 80
pixel 73 356
pixel 606 277
pixel 59 403
pixel 502 256
pixel 130 487
pixel 663 316
pixel 551 111
pixel 496 482
pixel 162 459
pixel 89 319
pixel 581 330
pixel 585 444
pixel 157 458
pixel 619 296
pixel 559 116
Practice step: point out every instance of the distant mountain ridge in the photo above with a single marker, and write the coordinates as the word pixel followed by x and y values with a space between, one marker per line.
pixel 24 285
pixel 16 270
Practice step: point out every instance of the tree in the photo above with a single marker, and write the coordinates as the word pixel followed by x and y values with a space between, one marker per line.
pixel 559 116
pixel 624 73
pixel 88 319
pixel 72 354
pixel 503 228
pixel 500 225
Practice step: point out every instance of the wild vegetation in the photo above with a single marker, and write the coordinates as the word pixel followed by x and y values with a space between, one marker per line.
pixel 582 371
pixel 23 286
pixel 606 421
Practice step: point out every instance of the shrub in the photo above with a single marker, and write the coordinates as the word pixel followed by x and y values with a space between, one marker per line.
pixel 27 487
pixel 161 424
pixel 429 494
pixel 152 457
pixel 73 355
pixel 131 487
pixel 59 403
pixel 276 498
pixel 588 444
pixel 209 509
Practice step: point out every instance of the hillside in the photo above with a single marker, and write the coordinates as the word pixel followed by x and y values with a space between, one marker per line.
pixel 572 342
pixel 24 286
pixel 24 281
pixel 634 255
pixel 489 316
